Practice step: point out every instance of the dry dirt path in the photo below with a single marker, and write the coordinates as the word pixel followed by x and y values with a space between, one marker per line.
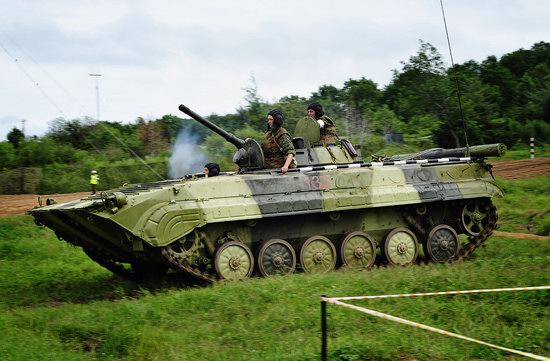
pixel 16 204
pixel 517 169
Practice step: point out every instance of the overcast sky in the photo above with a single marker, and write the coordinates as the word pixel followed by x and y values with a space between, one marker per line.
pixel 155 55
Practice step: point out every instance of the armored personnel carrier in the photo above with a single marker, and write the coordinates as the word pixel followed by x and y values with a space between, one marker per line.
pixel 333 210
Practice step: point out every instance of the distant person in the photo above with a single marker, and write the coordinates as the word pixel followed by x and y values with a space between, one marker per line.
pixel 94 180
pixel 326 125
pixel 211 169
pixel 277 144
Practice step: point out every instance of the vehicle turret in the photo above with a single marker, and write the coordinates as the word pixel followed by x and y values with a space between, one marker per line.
pixel 249 154
pixel 309 152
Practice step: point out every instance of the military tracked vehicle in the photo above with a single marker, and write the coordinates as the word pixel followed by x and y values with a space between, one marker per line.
pixel 333 210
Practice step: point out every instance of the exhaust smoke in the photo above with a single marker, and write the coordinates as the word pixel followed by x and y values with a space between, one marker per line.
pixel 186 156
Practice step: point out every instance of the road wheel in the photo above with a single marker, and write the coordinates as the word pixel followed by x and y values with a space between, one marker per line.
pixel 358 250
pixel 276 258
pixel 475 216
pixel 233 261
pixel 400 247
pixel 442 244
pixel 318 255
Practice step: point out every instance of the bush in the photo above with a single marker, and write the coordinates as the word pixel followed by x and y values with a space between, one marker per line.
pixel 64 178
pixel 543 225
pixel 502 130
pixel 535 128
pixel 7 155
pixel 20 180
pixel 372 145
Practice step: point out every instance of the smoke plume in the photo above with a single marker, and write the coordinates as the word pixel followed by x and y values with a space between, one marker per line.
pixel 186 156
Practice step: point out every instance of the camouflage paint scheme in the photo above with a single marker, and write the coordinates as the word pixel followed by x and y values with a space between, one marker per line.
pixel 333 209
pixel 262 206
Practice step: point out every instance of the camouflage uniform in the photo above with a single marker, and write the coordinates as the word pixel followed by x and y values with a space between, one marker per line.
pixel 328 132
pixel 276 147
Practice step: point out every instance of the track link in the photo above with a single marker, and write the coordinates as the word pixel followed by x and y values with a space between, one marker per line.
pixel 476 241
pixel 466 250
pixel 187 269
pixel 473 241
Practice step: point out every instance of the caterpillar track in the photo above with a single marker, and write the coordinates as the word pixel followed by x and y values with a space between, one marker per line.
pixel 419 226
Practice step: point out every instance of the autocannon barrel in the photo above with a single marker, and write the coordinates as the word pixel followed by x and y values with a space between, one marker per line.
pixel 237 142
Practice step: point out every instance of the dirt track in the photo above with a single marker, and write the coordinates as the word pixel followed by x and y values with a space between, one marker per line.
pixel 17 204
pixel 517 169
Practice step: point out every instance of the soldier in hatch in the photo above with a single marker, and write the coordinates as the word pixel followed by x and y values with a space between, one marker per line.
pixel 277 144
pixel 326 125
pixel 211 169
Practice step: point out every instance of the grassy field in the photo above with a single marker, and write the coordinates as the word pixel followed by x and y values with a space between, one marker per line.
pixel 523 151
pixel 525 207
pixel 55 304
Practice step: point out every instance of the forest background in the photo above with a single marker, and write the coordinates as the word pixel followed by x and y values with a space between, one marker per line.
pixel 503 100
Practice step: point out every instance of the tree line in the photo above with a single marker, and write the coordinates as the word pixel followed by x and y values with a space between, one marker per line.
pixel 503 100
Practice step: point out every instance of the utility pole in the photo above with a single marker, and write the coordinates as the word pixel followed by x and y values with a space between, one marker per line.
pixel 96 75
pixel 23 126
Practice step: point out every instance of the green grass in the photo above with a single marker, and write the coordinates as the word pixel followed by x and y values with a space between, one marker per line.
pixel 56 304
pixel 522 151
pixel 526 205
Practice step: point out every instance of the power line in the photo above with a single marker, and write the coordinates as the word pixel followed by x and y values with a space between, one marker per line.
pixel 70 95
pixel 51 77
pixel 20 66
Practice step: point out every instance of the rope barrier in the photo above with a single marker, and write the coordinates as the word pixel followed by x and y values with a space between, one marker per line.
pixel 338 301
pixel 440 293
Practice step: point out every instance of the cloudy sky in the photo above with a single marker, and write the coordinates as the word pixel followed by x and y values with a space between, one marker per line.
pixel 155 55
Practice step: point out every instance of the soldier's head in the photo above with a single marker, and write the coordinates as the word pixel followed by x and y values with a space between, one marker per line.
pixel 211 169
pixel 275 119
pixel 315 110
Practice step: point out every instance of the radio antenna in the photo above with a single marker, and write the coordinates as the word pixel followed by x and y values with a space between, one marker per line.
pixel 456 81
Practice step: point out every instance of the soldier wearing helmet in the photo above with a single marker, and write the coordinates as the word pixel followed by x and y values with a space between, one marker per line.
pixel 326 125
pixel 211 169
pixel 94 180
pixel 277 144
